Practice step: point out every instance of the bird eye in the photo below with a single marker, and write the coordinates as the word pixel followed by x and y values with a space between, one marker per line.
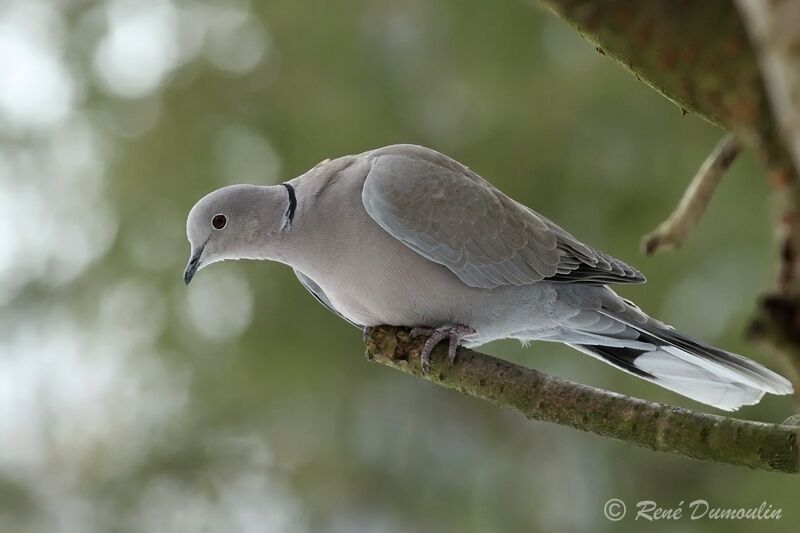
pixel 219 221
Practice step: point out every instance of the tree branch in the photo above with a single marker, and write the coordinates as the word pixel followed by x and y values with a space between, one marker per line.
pixel 673 231
pixel 699 55
pixel 773 27
pixel 538 396
pixel 696 54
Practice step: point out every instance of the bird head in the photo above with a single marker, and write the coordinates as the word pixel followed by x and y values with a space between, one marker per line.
pixel 237 222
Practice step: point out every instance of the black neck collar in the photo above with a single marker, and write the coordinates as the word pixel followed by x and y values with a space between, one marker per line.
pixel 289 215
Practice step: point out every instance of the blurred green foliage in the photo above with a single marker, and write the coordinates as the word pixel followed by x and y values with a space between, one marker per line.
pixel 269 418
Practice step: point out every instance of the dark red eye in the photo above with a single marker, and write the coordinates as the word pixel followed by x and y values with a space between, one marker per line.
pixel 219 221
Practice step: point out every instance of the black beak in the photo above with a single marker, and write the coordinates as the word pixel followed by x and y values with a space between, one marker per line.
pixel 194 263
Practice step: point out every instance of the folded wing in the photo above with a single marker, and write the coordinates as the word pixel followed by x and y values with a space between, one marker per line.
pixel 448 214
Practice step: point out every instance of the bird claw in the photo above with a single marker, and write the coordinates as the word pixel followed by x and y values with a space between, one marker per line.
pixel 455 334
pixel 420 331
pixel 366 333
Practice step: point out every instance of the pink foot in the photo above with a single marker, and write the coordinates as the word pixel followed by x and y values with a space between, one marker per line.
pixel 455 333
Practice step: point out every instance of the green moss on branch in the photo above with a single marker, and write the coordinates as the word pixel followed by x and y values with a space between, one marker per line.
pixel 696 54
pixel 541 397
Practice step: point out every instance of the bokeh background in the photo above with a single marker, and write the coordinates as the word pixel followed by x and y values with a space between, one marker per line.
pixel 129 402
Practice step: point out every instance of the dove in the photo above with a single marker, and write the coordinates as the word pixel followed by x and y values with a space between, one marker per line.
pixel 406 236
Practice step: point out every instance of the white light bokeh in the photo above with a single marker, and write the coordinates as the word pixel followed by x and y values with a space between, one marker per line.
pixel 219 304
pixel 36 91
pixel 51 194
pixel 146 40
pixel 235 41
pixel 246 498
pixel 91 399
pixel 140 48
pixel 86 395
pixel 74 400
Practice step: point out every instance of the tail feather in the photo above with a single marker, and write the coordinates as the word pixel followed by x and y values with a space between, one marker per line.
pixel 678 375
pixel 720 362
pixel 685 365
pixel 698 383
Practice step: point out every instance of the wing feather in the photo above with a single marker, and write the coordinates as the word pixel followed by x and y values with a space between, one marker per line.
pixel 319 295
pixel 450 215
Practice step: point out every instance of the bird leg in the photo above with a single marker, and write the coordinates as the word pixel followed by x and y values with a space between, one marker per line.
pixel 435 336
pixel 367 329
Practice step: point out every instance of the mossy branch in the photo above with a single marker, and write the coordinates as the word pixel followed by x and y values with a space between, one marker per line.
pixel 700 56
pixel 696 54
pixel 648 424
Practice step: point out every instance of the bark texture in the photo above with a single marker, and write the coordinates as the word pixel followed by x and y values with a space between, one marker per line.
pixel 538 396
pixel 774 27
pixel 699 55
pixel 775 30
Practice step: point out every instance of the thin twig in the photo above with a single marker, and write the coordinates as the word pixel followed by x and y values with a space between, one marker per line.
pixel 773 33
pixel 672 232
pixel 541 397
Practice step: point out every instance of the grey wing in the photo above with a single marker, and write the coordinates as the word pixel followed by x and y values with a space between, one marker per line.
pixel 318 294
pixel 450 215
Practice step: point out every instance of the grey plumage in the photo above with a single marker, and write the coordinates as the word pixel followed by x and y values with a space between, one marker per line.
pixel 404 235
pixel 320 296
pixel 450 215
